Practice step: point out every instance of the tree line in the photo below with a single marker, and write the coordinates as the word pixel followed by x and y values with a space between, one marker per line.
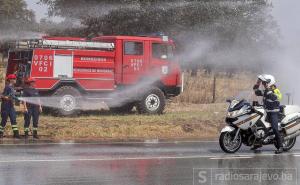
pixel 212 34
pixel 15 20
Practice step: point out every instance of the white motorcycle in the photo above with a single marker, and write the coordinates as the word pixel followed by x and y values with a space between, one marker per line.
pixel 247 124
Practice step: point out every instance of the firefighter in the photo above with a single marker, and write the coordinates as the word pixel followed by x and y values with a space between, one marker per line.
pixel 7 106
pixel 272 97
pixel 33 109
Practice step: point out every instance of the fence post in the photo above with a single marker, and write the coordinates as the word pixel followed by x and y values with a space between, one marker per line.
pixel 288 96
pixel 214 88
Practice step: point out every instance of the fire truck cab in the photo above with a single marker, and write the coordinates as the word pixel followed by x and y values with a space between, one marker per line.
pixel 122 71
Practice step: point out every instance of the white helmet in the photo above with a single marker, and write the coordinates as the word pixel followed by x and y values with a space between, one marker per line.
pixel 268 79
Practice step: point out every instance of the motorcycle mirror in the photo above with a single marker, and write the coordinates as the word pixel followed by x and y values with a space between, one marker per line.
pixel 228 101
pixel 255 103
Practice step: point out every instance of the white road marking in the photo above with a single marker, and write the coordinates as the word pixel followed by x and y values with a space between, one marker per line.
pixel 248 156
pixel 105 143
pixel 104 159
pixel 234 157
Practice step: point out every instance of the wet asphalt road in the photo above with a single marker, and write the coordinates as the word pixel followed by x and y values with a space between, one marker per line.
pixel 143 163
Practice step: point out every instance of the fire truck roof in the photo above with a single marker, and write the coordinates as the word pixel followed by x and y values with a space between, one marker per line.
pixel 150 38
pixel 104 42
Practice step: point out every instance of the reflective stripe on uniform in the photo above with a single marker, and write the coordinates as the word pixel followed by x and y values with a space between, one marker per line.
pixel 35 128
pixel 272 101
pixel 1 129
pixel 275 110
pixel 14 127
pixel 26 129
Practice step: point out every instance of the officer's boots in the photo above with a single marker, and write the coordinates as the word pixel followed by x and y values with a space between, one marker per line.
pixel 279 150
pixel 35 134
pixel 26 134
pixel 1 132
pixel 16 134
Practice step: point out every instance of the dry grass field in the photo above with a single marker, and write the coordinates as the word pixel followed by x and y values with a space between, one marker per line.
pixel 191 121
pixel 199 89
pixel 189 116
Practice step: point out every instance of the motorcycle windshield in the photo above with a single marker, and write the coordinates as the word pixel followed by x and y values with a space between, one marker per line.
pixel 241 99
pixel 245 95
pixel 238 105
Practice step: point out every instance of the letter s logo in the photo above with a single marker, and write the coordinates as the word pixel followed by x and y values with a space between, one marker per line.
pixel 202 177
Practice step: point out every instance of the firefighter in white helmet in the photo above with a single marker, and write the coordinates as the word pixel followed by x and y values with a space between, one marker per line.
pixel 271 99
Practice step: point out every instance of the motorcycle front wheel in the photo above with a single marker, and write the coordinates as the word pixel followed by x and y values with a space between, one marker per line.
pixel 227 142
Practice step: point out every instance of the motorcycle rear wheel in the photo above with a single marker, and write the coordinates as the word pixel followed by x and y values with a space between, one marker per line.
pixel 289 144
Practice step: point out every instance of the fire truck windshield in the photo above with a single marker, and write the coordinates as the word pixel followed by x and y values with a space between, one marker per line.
pixel 162 51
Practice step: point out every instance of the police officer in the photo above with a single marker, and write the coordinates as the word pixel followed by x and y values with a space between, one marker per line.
pixel 32 109
pixel 7 106
pixel 271 97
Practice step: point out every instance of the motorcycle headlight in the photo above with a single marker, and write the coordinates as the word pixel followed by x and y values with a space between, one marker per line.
pixel 232 114
pixel 235 113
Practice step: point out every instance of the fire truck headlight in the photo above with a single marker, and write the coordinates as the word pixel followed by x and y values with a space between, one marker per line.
pixel 165 70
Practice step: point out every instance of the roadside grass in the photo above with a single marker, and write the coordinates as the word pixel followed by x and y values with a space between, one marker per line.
pixel 180 121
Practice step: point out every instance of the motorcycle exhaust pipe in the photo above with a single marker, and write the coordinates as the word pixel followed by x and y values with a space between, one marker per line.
pixel 292 136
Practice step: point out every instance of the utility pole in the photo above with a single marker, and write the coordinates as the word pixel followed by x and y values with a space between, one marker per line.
pixel 214 88
pixel 289 97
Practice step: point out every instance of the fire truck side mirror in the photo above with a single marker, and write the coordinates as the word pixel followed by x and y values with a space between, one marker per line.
pixel 164 57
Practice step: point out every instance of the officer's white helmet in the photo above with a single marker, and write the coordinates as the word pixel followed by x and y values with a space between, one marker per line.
pixel 268 79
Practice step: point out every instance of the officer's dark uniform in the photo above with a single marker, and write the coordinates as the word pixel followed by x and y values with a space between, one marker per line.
pixel 8 110
pixel 33 111
pixel 271 99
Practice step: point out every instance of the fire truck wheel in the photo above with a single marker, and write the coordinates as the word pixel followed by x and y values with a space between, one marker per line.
pixel 152 102
pixel 47 110
pixel 68 101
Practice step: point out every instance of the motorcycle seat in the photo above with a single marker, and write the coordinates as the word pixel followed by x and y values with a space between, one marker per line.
pixel 281 109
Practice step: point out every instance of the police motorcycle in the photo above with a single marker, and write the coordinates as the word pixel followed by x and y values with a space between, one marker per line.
pixel 247 124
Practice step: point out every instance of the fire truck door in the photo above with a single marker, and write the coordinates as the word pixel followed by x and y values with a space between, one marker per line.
pixel 162 57
pixel 63 66
pixel 134 61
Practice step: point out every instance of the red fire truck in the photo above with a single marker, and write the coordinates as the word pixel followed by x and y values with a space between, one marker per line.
pixel 122 71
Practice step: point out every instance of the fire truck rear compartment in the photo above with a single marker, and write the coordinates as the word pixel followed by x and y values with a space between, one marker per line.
pixel 19 63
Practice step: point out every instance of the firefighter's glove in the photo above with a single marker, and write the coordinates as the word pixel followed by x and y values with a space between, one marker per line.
pixel 13 97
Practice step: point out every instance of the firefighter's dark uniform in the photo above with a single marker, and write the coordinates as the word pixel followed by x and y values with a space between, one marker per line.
pixel 271 99
pixel 8 110
pixel 33 111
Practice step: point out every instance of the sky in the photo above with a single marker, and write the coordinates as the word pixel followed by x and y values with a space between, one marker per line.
pixel 287 13
pixel 40 10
